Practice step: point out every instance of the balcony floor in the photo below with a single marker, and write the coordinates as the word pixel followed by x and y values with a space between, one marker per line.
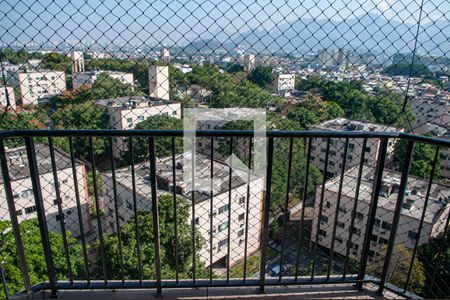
pixel 337 291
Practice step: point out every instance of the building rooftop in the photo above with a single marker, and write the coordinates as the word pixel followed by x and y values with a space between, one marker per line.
pixel 18 161
pixel 352 125
pixel 129 102
pixel 414 198
pixel 164 175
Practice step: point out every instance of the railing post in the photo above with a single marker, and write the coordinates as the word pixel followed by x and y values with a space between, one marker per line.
pixel 2 276
pixel 14 221
pixel 397 214
pixel 40 209
pixel 378 179
pixel 155 216
pixel 265 220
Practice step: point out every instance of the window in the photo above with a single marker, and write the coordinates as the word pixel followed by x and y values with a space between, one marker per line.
pixel 174 113
pixel 242 200
pixel 223 226
pixel 322 233
pixel 356 231
pixel 141 118
pixel 241 217
pixel 374 238
pixel 58 217
pixel 342 209
pixel 197 221
pixel 241 232
pixel 129 120
pixel 413 235
pixel 371 253
pixel 222 243
pixel 129 205
pixel 328 204
pixel 354 246
pixel 27 193
pixel 351 146
pixel 31 209
pixel 377 222
pixel 386 225
pixel 165 113
pixel 382 241
pixel 359 216
pixel 55 202
pixel 367 149
pixel 19 212
pixel 340 224
pixel 338 239
pixel 224 208
pixel 323 219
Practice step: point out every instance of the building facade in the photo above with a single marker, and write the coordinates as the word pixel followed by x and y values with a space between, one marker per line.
pixel 158 82
pixel 224 217
pixel 88 78
pixel 39 85
pixel 335 157
pixel 126 112
pixel 285 82
pixel 22 187
pixel 434 222
pixel 7 97
pixel 249 62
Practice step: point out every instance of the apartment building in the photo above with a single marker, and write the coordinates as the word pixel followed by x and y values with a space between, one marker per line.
pixel 38 85
pixel 249 62
pixel 284 82
pixel 165 55
pixel 336 153
pixel 22 187
pixel 7 93
pixel 126 112
pixel 203 214
pixel 158 82
pixel 88 78
pixel 436 214
pixel 431 109
pixel 334 57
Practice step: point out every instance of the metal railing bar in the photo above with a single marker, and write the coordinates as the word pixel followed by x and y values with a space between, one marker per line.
pixel 302 216
pixel 14 222
pixel 322 195
pixel 40 210
pixel 60 211
pixel 230 177
pixel 155 214
pixel 135 211
pixel 211 210
pixel 79 212
pixel 175 210
pixel 116 207
pixel 422 218
pixel 97 207
pixel 397 214
pixel 265 216
pixel 355 206
pixel 247 208
pixel 193 236
pixel 338 203
pixel 378 180
pixel 286 203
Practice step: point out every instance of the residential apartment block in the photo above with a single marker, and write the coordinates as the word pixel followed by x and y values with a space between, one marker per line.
pixel 39 85
pixel 19 173
pixel 436 214
pixel 126 112
pixel 249 62
pixel 7 94
pixel 284 82
pixel 158 82
pixel 335 157
pixel 224 216
pixel 88 78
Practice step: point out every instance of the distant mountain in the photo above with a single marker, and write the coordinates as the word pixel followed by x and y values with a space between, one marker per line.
pixel 366 32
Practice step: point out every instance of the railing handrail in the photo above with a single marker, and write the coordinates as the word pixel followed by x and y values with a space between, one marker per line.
pixel 222 133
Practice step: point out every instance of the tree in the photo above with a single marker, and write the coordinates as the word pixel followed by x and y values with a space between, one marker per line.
pixel 34 255
pixel 56 61
pixel 82 116
pixel 435 256
pixel 22 120
pixel 404 69
pixel 106 87
pixel 163 145
pixel 304 117
pixel 167 242
pixel 400 262
pixel 261 76
pixel 422 159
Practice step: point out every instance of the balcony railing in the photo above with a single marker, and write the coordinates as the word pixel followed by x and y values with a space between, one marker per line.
pixel 297 224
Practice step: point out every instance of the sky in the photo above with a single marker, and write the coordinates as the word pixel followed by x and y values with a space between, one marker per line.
pixel 178 21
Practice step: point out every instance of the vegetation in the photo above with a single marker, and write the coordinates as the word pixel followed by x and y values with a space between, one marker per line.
pixel 404 68
pixel 261 76
pixel 167 240
pixel 34 255
pixel 400 262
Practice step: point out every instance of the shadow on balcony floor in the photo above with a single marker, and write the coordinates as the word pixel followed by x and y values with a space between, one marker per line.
pixel 338 291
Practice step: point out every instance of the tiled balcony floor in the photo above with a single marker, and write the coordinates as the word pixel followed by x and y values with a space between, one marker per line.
pixel 338 291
